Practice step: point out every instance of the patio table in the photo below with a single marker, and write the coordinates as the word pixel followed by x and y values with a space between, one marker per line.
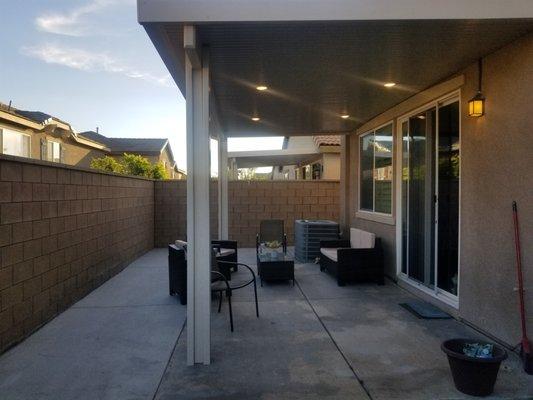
pixel 280 267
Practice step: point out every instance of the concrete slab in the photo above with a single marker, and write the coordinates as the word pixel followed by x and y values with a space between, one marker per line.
pixel 285 354
pixel 114 344
pixel 314 340
pixel 397 355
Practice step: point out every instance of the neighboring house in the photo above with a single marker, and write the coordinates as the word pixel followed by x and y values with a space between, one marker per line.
pixel 37 135
pixel 325 165
pixel 155 150
pixel 301 158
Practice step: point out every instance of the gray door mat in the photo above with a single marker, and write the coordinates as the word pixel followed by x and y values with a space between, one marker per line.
pixel 425 310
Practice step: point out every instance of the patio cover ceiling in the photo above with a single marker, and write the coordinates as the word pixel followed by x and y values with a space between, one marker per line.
pixel 321 60
pixel 268 158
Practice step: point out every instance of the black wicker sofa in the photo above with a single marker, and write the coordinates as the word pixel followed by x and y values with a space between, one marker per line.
pixel 359 259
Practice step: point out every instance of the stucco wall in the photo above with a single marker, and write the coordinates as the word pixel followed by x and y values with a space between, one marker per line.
pixel 332 165
pixel 496 168
pixel 249 202
pixel 75 153
pixel 63 232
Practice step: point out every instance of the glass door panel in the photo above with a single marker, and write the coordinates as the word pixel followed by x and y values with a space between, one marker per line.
pixel 406 139
pixel 420 222
pixel 448 197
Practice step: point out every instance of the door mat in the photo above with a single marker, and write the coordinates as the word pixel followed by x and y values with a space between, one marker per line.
pixel 425 310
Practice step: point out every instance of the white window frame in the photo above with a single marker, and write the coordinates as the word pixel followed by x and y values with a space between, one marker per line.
pixel 52 159
pixel 384 218
pixel 2 129
pixel 437 293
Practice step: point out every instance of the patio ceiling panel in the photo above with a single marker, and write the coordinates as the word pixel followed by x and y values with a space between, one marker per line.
pixel 269 158
pixel 317 71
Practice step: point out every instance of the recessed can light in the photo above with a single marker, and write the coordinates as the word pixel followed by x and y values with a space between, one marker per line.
pixel 255 119
pixel 345 116
pixel 389 84
pixel 262 88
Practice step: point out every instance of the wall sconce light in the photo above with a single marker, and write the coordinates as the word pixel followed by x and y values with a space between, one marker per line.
pixel 476 105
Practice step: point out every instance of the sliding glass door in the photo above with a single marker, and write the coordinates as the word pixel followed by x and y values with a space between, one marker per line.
pixel 430 196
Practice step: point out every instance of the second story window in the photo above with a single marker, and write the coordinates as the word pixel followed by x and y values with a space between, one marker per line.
pixel 54 151
pixel 15 143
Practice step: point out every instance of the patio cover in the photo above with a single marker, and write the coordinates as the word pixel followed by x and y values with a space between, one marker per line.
pixel 321 60
pixel 269 158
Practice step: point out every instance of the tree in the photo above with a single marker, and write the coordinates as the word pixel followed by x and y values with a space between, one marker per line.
pixel 107 164
pixel 130 164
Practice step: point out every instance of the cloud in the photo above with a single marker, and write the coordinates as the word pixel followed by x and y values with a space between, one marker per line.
pixel 75 23
pixel 91 62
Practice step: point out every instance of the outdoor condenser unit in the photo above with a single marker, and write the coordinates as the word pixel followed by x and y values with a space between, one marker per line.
pixel 307 237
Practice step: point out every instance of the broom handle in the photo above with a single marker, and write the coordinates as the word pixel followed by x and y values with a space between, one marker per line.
pixel 519 271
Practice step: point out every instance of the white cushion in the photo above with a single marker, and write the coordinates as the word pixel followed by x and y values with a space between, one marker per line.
pixel 225 252
pixel 330 253
pixel 360 239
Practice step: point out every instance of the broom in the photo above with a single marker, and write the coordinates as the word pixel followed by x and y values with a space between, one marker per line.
pixel 527 357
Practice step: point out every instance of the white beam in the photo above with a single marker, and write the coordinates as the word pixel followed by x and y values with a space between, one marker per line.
pixel 187 11
pixel 223 187
pixel 198 230
pixel 190 46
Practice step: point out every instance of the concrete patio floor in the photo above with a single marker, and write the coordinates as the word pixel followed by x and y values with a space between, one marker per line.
pixel 314 340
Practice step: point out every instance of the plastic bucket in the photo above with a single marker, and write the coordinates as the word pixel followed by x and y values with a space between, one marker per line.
pixel 472 375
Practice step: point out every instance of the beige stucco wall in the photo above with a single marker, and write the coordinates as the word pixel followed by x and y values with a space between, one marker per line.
pixel 75 153
pixel 496 168
pixel 332 166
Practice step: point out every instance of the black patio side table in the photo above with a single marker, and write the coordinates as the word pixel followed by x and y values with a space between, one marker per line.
pixel 271 268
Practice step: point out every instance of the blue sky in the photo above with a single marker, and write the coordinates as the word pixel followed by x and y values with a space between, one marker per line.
pixel 91 64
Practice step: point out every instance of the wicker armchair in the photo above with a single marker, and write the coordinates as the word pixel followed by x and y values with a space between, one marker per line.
pixel 355 260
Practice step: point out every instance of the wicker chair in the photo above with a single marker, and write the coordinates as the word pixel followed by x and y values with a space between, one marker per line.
pixel 177 269
pixel 220 285
pixel 271 230
pixel 358 259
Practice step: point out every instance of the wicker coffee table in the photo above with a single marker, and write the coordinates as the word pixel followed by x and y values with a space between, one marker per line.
pixel 280 267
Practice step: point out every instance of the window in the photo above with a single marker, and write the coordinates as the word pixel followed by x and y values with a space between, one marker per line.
pixel 15 143
pixel 53 151
pixel 317 171
pixel 375 166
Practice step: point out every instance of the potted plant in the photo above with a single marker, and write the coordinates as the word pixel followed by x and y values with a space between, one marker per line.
pixel 474 364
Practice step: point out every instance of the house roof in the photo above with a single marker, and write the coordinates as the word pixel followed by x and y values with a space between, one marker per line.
pixel 36 116
pixel 128 145
pixel 327 140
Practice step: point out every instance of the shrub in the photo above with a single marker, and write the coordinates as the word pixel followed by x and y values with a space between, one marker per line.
pixel 136 165
pixel 130 164
pixel 107 164
pixel 159 171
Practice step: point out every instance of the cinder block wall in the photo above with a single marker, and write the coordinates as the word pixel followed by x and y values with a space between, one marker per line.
pixel 249 203
pixel 171 211
pixel 63 232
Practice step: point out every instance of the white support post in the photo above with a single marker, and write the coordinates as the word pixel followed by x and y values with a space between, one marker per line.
pixel 223 233
pixel 198 230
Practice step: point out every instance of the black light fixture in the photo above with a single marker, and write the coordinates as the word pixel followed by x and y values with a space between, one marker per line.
pixel 476 105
